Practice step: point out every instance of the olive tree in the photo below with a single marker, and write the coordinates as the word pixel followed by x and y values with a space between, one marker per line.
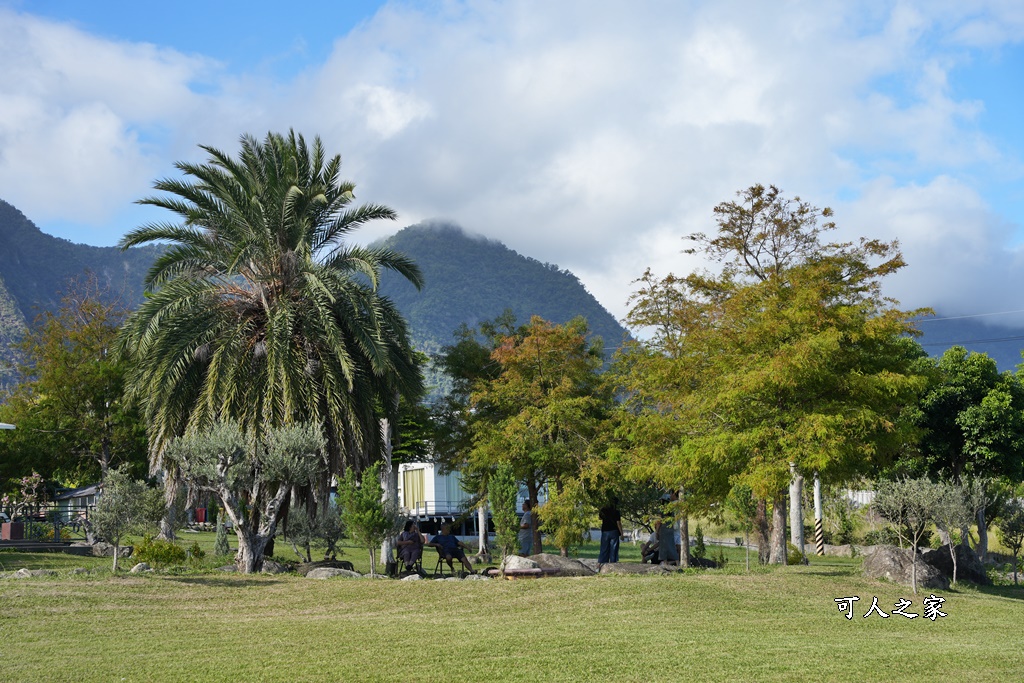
pixel 910 505
pixel 124 506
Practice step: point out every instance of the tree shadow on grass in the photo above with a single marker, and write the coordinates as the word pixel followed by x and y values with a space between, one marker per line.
pixel 223 582
pixel 1011 592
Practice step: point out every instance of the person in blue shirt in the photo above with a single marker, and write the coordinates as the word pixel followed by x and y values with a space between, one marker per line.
pixel 450 548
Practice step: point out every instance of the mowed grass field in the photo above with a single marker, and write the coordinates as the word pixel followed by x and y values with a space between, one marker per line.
pixel 778 624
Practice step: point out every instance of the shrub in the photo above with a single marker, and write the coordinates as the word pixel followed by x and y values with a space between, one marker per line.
pixel 221 546
pixel 793 555
pixel 699 549
pixel 196 555
pixel 719 557
pixel 159 552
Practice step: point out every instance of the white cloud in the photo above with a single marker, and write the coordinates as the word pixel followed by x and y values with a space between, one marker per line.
pixel 576 132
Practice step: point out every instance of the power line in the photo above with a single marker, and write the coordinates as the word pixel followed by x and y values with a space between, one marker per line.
pixel 996 340
pixel 962 317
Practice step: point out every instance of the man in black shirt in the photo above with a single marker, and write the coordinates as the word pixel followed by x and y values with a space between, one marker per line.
pixel 611 532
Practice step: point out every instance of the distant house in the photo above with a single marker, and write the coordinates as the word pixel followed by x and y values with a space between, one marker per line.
pixel 434 498
pixel 75 503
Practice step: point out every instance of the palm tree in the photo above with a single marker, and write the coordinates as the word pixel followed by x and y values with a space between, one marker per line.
pixel 259 312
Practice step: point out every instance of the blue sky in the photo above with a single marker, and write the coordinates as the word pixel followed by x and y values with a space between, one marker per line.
pixel 575 132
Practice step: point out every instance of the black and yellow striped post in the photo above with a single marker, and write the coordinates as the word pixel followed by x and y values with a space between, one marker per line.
pixel 819 535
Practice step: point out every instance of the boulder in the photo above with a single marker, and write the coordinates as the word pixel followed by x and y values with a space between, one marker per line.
pixel 81 570
pixel 32 573
pixel 564 566
pixel 140 568
pixel 894 564
pixel 412 577
pixel 635 568
pixel 517 562
pixel 477 577
pixel 331 572
pixel 968 564
pixel 306 567
pixel 271 567
pixel 591 563
pixel 839 550
pixel 102 549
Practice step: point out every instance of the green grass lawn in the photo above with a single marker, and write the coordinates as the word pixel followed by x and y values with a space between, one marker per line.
pixel 778 624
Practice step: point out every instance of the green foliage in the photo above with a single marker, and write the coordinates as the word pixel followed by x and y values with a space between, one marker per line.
pixel 502 495
pixel 221 546
pixel 69 408
pixel 566 516
pixel 159 552
pixel 719 557
pixel 974 417
pixel 699 550
pixel 368 519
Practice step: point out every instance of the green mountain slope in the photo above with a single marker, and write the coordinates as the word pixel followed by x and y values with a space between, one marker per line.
pixel 36 267
pixel 470 279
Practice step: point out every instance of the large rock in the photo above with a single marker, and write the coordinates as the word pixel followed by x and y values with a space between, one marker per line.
pixel 306 567
pixel 635 568
pixel 517 562
pixel 968 565
pixel 331 572
pixel 271 567
pixel 894 564
pixel 102 549
pixel 565 566
pixel 140 568
pixel 412 577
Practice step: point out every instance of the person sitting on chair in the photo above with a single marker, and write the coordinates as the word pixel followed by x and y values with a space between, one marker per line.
pixel 649 550
pixel 449 547
pixel 410 545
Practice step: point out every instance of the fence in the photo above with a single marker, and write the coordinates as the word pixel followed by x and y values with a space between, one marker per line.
pixel 53 523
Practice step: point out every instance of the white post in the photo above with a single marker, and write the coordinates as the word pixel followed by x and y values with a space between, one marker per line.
pixel 481 523
pixel 796 515
pixel 819 535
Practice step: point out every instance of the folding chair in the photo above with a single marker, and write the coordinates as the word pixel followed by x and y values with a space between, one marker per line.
pixel 439 569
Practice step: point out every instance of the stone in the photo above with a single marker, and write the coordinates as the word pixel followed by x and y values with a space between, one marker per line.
pixel 591 563
pixel 839 550
pixel 894 564
pixel 517 562
pixel 102 549
pixel 227 568
pixel 477 577
pixel 968 564
pixel 412 577
pixel 565 566
pixel 331 572
pixel 271 567
pixel 81 570
pixel 140 568
pixel 32 573
pixel 306 567
pixel 635 568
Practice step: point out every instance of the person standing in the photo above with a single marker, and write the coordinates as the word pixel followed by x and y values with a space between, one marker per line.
pixel 526 530
pixel 611 531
